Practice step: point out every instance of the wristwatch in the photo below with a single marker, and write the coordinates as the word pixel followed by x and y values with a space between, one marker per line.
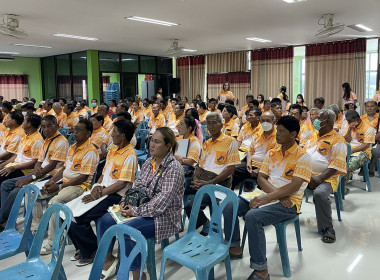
pixel 34 177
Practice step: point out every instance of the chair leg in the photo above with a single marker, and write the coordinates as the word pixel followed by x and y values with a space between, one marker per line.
pixel 339 195
pixel 336 196
pixel 343 186
pixel 163 262
pixel 201 274
pixel 211 274
pixel 366 176
pixel 243 239
pixel 378 167
pixel 164 243
pixel 298 234
pixel 227 263
pixel 281 237
pixel 151 259
pixel 241 188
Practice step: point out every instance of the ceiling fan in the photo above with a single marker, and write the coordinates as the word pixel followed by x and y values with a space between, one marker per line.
pixel 329 28
pixel 10 27
pixel 175 48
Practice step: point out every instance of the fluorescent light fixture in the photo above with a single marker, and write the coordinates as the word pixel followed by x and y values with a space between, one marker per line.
pixel 4 52
pixel 189 50
pixel 127 59
pixel 363 27
pixel 258 40
pixel 288 1
pixel 32 46
pixel 354 263
pixel 75 37
pixel 149 20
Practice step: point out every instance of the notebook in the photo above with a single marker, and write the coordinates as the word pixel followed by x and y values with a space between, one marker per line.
pixel 183 147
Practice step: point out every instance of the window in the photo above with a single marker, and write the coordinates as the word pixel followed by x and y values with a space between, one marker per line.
pixel 371 74
pixel 109 62
pixel 79 68
pixel 303 76
pixel 130 63
pixel 147 64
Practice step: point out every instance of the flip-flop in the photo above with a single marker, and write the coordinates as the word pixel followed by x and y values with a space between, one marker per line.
pixel 254 276
pixel 328 235
pixel 77 256
pixel 111 271
pixel 84 262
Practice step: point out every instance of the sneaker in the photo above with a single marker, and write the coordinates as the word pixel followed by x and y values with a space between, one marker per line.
pixel 46 250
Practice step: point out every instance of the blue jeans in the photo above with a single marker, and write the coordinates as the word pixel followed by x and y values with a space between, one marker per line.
pixel 144 225
pixel 255 220
pixel 9 192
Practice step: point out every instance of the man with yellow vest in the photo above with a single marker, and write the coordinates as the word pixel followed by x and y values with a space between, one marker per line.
pixel 329 152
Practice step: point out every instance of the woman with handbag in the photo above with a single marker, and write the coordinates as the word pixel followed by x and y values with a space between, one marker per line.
pixel 155 199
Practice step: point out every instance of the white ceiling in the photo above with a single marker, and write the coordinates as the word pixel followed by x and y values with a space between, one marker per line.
pixel 208 26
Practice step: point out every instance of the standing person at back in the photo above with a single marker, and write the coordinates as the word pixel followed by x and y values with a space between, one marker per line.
pixel 225 93
pixel 348 95
pixel 284 99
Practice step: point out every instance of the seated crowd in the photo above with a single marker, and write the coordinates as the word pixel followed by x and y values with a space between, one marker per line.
pixel 271 142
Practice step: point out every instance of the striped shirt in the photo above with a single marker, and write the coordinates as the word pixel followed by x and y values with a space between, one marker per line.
pixel 165 207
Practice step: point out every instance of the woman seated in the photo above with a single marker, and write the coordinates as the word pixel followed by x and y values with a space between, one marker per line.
pixel 118 176
pixel 162 178
pixel 187 130
pixel 99 137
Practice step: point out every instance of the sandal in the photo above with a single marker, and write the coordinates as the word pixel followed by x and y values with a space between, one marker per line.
pixel 111 271
pixel 329 235
pixel 84 262
pixel 254 276
pixel 77 256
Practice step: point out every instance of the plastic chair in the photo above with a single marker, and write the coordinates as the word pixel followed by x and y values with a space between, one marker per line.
pixel 281 240
pixel 143 135
pixel 120 231
pixel 204 132
pixel 143 125
pixel 11 241
pixel 366 176
pixel 249 180
pixel 34 267
pixel 64 131
pixel 201 253
pixel 342 178
pixel 378 167
pixel 71 139
pixel 337 196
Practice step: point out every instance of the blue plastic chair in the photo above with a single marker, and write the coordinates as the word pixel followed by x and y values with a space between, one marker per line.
pixel 71 139
pixel 64 131
pixel 119 232
pixel 337 196
pixel 11 241
pixel 249 180
pixel 342 178
pixel 366 176
pixel 143 135
pixel 34 267
pixel 378 167
pixel 143 125
pixel 204 132
pixel 201 253
pixel 281 240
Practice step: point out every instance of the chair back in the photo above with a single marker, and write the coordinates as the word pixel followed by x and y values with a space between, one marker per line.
pixel 30 193
pixel 204 132
pixel 119 232
pixel 143 125
pixel 64 131
pixel 143 134
pixel 220 197
pixel 59 242
pixel 348 154
pixel 71 139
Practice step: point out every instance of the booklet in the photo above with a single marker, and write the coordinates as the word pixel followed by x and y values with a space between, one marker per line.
pixel 251 195
pixel 183 147
pixel 117 216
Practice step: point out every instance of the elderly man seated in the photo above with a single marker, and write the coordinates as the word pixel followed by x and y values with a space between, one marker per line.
pixel 361 136
pixel 328 151
pixel 283 176
pixel 263 141
pixel 219 157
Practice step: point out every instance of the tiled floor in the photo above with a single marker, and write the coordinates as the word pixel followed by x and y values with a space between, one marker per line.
pixel 355 254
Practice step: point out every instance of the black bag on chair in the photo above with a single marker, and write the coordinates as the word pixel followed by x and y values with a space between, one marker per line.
pixel 138 196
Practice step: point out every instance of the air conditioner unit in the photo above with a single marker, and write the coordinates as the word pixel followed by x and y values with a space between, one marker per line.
pixel 6 58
